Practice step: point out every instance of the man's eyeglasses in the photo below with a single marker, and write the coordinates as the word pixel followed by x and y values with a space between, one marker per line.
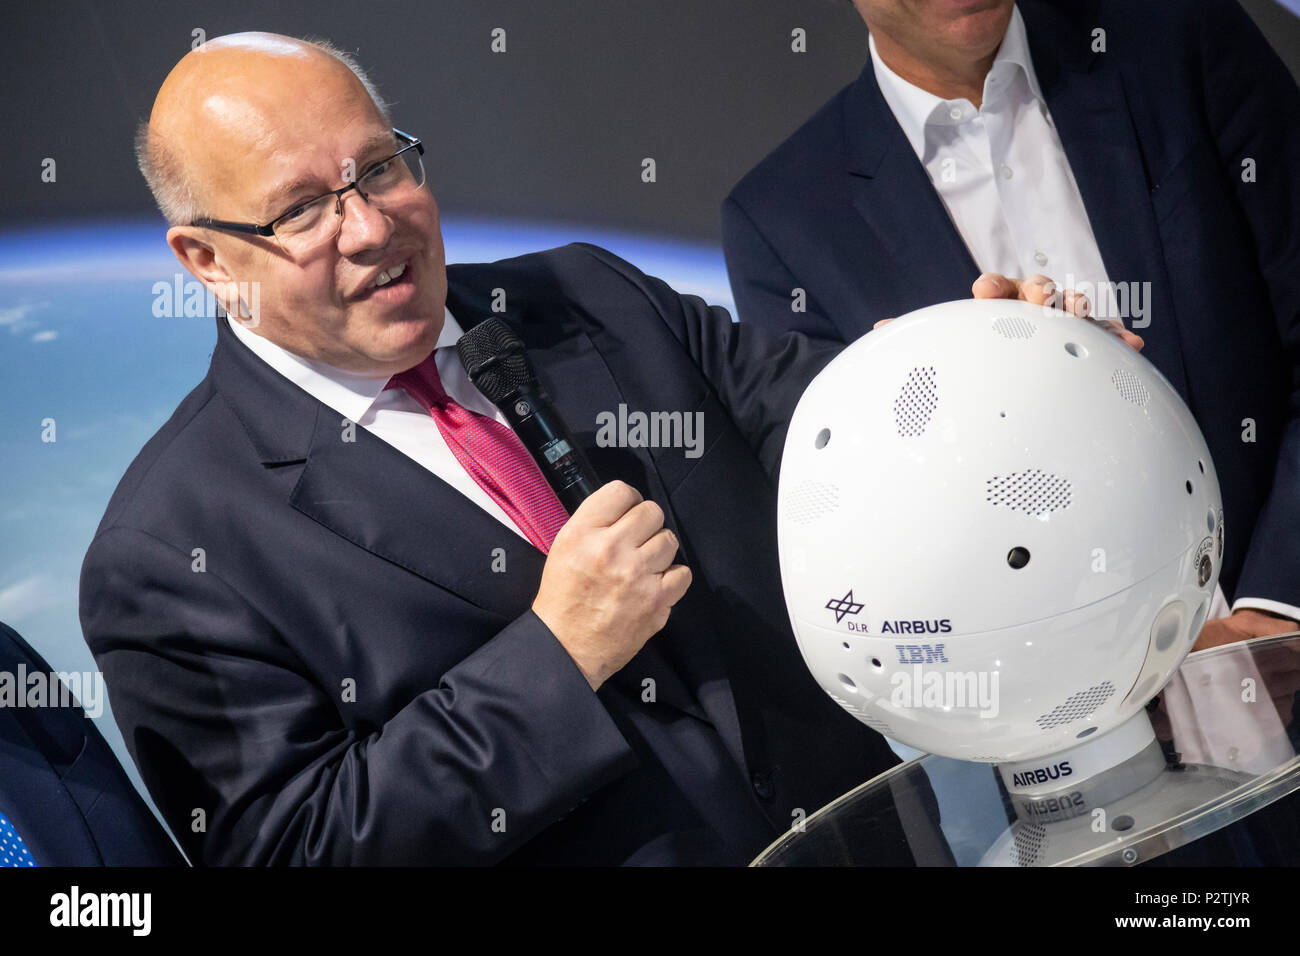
pixel 316 221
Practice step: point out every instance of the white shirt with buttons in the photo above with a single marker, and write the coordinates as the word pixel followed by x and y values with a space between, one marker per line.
pixel 998 169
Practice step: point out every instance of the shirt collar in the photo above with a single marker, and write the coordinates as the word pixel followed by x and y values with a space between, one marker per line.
pixel 349 393
pixel 1013 54
pixel 915 108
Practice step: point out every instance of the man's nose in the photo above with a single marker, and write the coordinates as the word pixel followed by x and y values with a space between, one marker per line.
pixel 363 224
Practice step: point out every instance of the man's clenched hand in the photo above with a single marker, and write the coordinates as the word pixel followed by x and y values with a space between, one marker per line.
pixel 609 580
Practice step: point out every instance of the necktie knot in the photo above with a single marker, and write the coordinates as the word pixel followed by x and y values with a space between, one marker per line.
pixel 491 454
pixel 423 382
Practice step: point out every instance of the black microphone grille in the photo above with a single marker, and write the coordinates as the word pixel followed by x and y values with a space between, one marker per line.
pixel 493 356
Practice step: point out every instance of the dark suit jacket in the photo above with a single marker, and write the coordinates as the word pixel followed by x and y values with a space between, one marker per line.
pixel 62 788
pixel 347 681
pixel 1156 130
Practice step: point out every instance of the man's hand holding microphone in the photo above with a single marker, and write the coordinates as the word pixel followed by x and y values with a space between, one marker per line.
pixel 610 581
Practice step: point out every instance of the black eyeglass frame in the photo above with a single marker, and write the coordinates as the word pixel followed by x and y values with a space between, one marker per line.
pixel 251 228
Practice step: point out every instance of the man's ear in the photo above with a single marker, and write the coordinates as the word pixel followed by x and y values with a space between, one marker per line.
pixel 197 256
pixel 201 260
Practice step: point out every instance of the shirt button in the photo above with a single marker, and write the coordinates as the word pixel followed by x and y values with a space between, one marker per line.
pixel 955 112
pixel 1040 258
pixel 1205 680
pixel 1006 171
pixel 1233 753
pixel 762 782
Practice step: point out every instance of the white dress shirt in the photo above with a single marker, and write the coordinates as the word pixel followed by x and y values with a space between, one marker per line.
pixel 1000 170
pixel 1006 182
pixel 392 415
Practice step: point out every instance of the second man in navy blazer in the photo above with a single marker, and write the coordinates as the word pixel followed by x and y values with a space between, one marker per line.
pixel 1184 138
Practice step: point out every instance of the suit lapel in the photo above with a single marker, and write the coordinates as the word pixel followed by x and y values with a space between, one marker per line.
pixel 1085 94
pixel 374 496
pixel 370 494
pixel 893 194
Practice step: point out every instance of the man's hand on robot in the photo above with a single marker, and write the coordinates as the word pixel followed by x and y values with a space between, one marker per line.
pixel 1242 625
pixel 1040 290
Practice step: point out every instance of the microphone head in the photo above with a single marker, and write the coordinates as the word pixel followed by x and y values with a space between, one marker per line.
pixel 493 356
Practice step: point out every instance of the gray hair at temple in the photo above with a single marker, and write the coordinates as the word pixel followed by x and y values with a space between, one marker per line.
pixel 173 189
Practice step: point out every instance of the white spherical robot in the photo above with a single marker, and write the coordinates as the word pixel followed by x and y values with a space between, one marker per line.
pixel 1000 532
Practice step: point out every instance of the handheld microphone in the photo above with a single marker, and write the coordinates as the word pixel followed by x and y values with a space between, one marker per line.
pixel 493 356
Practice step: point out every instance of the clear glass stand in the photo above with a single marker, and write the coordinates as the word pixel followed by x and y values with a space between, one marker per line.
pixel 1227 733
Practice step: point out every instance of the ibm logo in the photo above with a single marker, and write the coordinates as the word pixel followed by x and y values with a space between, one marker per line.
pixel 921 654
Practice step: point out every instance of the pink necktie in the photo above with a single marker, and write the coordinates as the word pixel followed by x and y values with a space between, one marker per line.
pixel 492 454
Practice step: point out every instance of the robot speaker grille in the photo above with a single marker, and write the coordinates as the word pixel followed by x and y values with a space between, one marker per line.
pixel 809 500
pixel 1077 705
pixel 1031 840
pixel 1014 327
pixel 1034 492
pixel 916 402
pixel 1130 387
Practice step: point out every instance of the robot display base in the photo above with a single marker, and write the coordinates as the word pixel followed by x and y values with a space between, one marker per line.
pixel 1214 784
pixel 1077 814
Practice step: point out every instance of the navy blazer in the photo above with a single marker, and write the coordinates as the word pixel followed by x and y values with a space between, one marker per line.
pixel 62 788
pixel 340 676
pixel 1156 129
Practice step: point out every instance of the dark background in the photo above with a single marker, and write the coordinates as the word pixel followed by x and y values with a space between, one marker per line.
pixel 554 129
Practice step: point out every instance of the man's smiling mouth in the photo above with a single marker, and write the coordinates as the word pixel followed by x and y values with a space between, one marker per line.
pixel 386 283
pixel 392 274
